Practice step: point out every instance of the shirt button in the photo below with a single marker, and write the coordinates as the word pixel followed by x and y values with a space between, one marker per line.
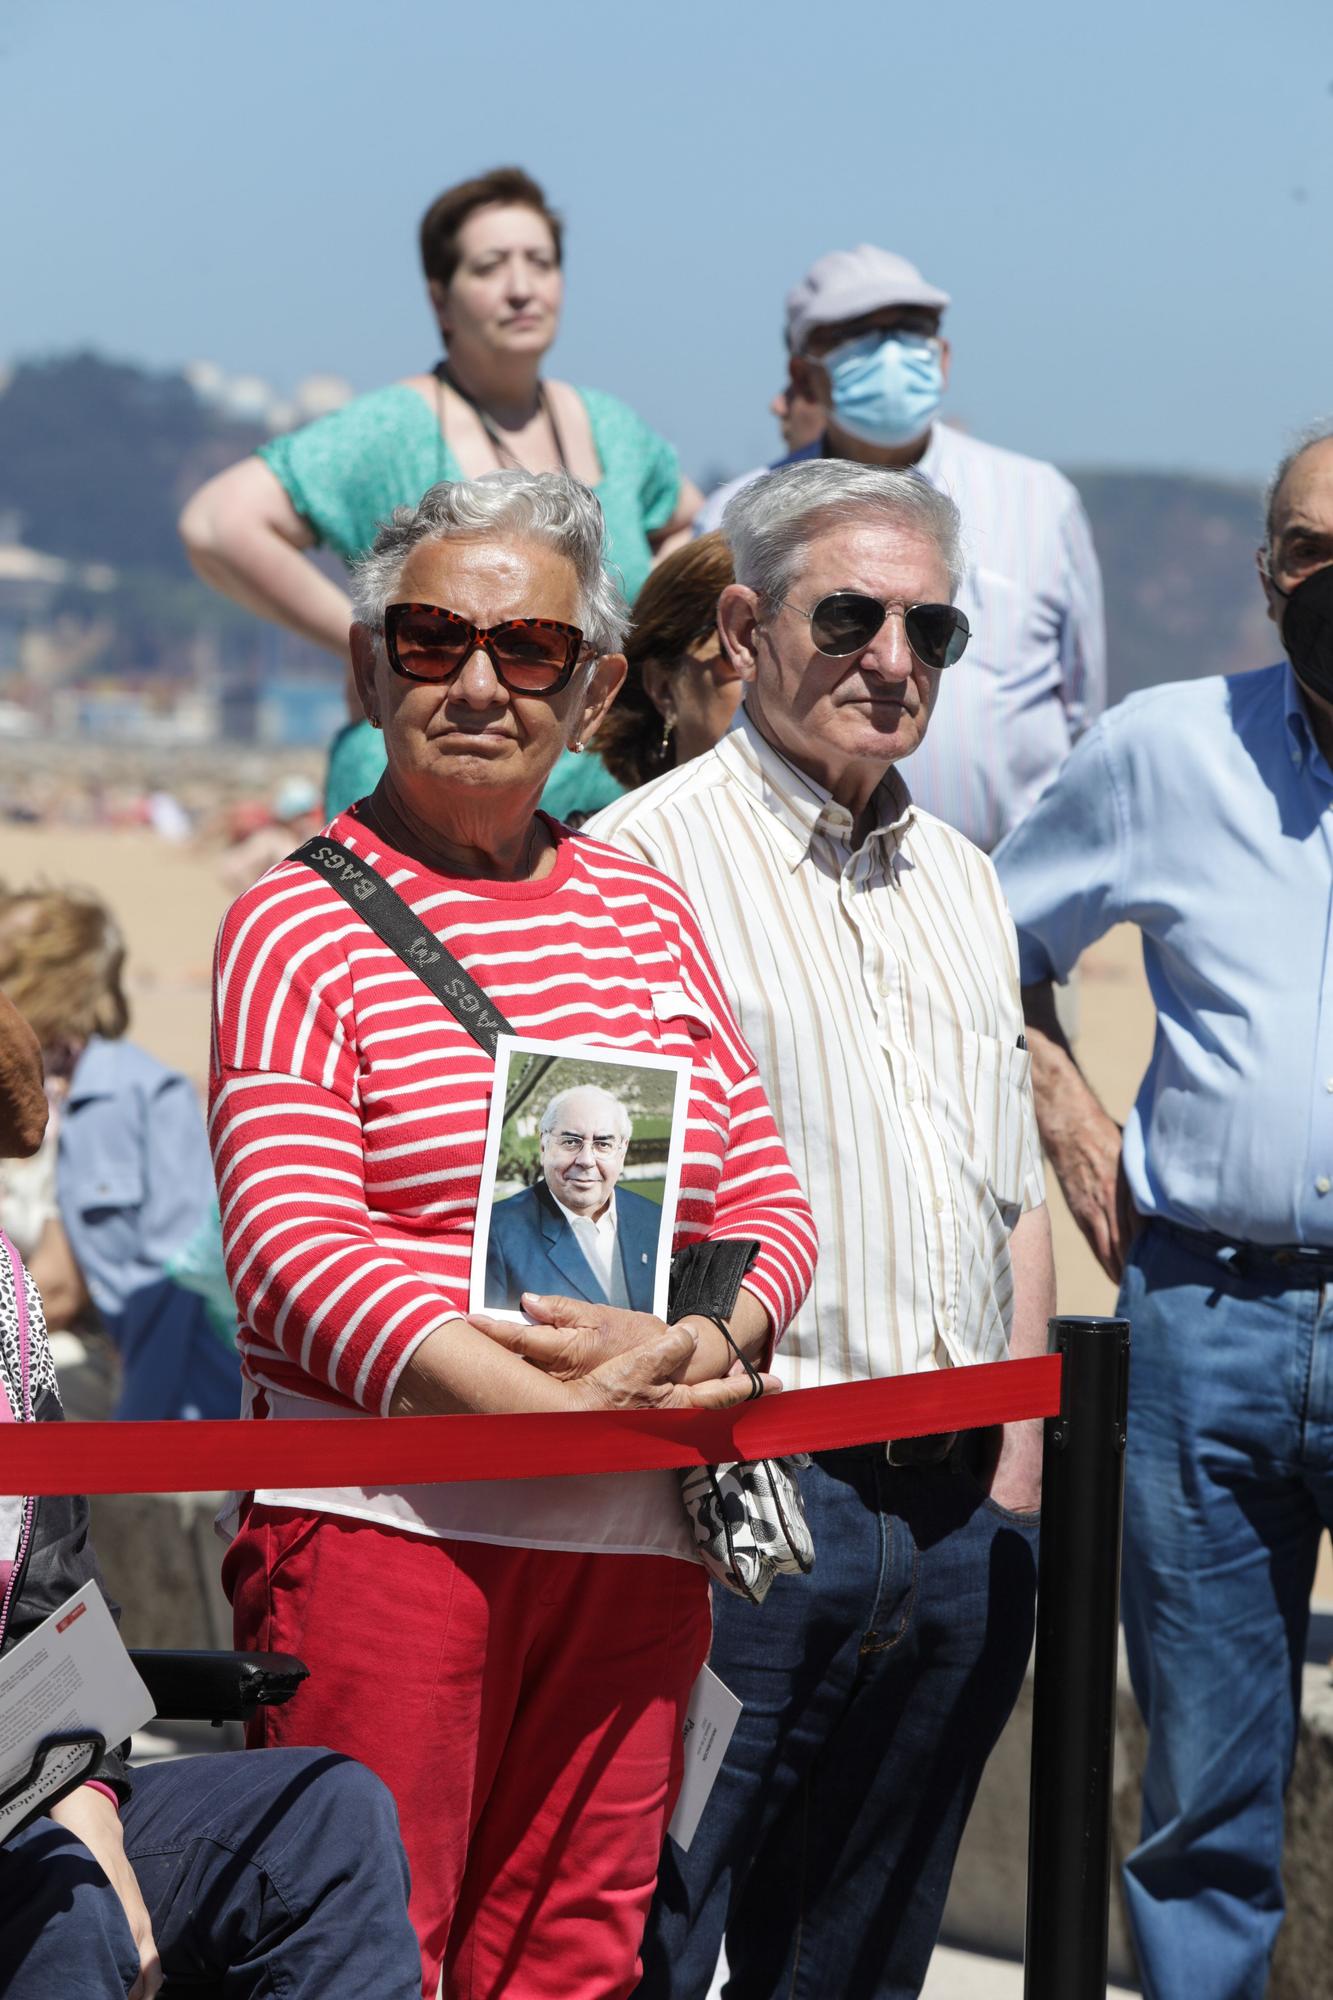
pixel 1323 1184
pixel 909 1095
pixel 1329 1084
pixel 939 1204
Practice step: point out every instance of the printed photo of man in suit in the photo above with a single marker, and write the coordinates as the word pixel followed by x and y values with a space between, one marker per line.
pixel 577 1233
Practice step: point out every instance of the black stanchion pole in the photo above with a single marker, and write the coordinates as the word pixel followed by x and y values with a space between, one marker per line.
pixel 1073 1710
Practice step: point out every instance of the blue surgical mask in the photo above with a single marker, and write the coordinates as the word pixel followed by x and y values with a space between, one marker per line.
pixel 886 386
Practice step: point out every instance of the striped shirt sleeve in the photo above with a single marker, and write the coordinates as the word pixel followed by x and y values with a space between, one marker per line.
pixel 306 1270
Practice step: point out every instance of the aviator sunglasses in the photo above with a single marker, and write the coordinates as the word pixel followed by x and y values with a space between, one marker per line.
pixel 530 655
pixel 845 621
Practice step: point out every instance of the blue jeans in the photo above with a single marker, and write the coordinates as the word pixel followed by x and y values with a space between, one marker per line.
pixel 874 1690
pixel 1229 1480
pixel 265 1873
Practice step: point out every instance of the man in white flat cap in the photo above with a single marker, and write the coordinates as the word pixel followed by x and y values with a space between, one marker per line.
pixel 864 339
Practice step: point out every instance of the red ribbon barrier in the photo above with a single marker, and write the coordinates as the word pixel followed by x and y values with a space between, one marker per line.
pixel 411 1451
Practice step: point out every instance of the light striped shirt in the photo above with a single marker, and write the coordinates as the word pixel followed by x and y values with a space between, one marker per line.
pixel 878 987
pixel 1033 677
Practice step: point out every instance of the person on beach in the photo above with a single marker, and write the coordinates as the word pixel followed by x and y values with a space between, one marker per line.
pixel 869 957
pixel 491 251
pixel 541 1636
pixel 680 690
pixel 133 1179
pixel 800 415
pixel 1202 813
pixel 865 339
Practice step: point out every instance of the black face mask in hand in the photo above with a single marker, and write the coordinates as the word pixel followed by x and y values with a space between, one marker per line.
pixel 1307 631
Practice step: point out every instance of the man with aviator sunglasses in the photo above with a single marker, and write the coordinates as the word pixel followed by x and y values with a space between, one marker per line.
pixel 870 958
pixel 846 621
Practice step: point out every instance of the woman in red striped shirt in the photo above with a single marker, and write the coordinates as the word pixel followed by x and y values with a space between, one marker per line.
pixel 513 1657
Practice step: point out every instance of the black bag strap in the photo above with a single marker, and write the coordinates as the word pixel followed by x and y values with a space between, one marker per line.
pixel 383 909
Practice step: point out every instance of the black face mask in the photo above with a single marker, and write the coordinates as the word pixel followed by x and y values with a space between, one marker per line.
pixel 1307 631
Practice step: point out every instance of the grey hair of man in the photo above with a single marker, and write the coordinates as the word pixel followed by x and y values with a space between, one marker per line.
pixel 771 522
pixel 546 507
pixel 550 1118
pixel 1306 441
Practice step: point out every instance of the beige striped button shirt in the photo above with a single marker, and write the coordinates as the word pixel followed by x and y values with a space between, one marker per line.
pixel 878 988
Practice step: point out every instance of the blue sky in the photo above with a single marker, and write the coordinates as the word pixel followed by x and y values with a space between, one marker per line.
pixel 1132 205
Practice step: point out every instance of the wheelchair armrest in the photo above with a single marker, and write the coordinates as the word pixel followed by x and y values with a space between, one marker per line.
pixel 217 1687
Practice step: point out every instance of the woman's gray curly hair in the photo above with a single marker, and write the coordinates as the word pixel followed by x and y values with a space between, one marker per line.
pixel 545 507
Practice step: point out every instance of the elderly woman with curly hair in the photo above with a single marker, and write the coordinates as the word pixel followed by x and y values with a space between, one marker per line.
pixel 514 1657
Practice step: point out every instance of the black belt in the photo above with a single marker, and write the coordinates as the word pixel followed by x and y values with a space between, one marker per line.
pixel 1275 1263
pixel 931 1450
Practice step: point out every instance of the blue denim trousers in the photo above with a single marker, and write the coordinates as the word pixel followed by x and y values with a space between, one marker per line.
pixel 265 1873
pixel 1229 1481
pixel 873 1692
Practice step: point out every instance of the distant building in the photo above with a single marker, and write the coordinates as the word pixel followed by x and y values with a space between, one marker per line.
pixel 32 587
pixel 299 711
pixel 250 399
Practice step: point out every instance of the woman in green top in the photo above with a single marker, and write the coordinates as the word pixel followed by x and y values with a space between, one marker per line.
pixel 491 251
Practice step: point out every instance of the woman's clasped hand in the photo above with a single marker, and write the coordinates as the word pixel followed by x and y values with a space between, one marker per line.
pixel 612 1359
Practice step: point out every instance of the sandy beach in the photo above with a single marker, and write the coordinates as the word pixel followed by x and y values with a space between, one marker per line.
pixel 168 901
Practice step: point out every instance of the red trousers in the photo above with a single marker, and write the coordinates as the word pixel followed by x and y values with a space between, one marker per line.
pixel 524 1707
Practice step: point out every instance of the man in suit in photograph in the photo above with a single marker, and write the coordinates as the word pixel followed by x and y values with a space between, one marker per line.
pixel 576 1234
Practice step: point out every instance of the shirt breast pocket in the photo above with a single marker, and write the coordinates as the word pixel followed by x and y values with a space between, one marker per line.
pixel 114 1184
pixel 996 611
pixel 103 1210
pixel 997 1081
pixel 685 1029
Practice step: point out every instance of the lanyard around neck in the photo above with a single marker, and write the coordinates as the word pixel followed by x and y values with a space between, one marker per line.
pixel 503 451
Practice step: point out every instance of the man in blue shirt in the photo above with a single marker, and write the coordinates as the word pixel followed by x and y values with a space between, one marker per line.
pixel 134 1181
pixel 1203 813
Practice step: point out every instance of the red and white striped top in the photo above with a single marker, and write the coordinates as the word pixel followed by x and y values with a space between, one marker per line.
pixel 348 1108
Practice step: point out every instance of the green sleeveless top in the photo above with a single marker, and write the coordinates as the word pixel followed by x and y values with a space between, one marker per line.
pixel 345 473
